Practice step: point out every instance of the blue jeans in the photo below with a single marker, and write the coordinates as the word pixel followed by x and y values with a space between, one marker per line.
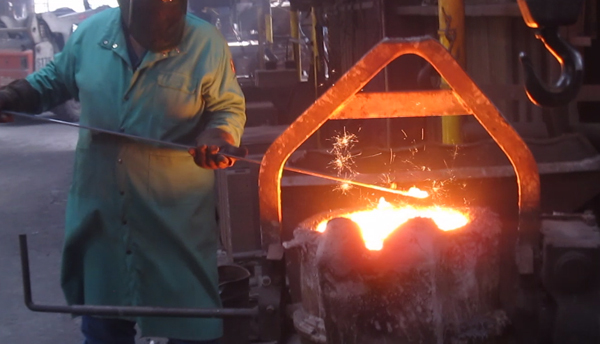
pixel 117 331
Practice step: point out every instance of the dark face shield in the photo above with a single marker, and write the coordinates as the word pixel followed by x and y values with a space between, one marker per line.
pixel 156 25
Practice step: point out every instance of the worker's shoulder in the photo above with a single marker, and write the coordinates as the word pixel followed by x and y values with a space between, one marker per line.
pixel 101 18
pixel 203 30
pixel 198 24
pixel 94 24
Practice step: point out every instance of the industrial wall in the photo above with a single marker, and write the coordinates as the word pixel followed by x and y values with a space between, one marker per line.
pixel 495 35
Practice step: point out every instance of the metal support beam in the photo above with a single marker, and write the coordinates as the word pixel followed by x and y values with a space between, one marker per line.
pixel 452 36
pixel 402 104
pixel 295 34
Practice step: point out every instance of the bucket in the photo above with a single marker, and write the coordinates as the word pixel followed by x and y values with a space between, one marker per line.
pixel 234 290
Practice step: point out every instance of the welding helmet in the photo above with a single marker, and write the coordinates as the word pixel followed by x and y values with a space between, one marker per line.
pixel 156 25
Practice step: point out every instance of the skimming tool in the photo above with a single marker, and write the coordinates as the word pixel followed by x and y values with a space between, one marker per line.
pixel 230 152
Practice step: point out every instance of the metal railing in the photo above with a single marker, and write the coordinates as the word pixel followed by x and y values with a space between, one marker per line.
pixel 121 311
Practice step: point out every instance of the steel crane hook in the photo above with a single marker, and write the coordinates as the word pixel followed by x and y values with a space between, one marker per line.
pixel 571 78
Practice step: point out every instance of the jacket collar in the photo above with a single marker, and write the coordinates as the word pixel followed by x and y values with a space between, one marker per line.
pixel 114 39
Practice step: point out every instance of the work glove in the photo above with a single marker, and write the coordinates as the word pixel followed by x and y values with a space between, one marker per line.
pixel 208 146
pixel 19 96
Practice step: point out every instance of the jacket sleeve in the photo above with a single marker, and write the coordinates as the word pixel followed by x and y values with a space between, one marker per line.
pixel 225 104
pixel 56 81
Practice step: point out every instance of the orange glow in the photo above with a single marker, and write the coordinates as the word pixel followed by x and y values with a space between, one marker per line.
pixel 415 192
pixel 378 223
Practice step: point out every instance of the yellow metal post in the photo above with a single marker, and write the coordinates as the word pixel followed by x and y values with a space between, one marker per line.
pixel 269 24
pixel 295 33
pixel 452 36
pixel 315 50
pixel 262 34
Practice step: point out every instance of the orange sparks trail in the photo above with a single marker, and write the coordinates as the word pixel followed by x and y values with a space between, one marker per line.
pixel 343 163
pixel 378 223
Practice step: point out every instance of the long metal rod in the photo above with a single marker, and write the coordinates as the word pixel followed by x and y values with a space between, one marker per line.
pixel 237 155
pixel 121 311
pixel 348 181
pixel 102 131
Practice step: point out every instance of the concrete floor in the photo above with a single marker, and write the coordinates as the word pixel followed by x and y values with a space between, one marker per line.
pixel 35 173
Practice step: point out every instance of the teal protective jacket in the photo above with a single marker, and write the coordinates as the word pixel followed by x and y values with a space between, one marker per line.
pixel 140 222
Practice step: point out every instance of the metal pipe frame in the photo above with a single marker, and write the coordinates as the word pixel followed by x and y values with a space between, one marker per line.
pixel 14 30
pixel 121 311
pixel 339 102
pixel 295 34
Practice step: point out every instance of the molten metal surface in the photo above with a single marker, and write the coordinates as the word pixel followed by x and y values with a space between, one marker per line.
pixel 378 223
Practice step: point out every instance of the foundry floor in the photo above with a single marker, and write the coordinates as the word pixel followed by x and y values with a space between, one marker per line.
pixel 35 172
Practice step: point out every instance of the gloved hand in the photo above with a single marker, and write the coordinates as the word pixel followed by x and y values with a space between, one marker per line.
pixel 208 146
pixel 20 96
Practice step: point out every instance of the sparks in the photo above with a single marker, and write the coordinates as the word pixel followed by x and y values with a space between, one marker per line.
pixel 343 161
pixel 344 143
pixel 344 187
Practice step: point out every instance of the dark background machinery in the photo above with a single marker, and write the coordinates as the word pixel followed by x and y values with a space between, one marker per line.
pixel 29 40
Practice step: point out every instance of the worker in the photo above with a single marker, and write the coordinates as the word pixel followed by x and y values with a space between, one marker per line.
pixel 140 220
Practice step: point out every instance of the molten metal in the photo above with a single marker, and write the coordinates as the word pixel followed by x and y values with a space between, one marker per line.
pixel 378 223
